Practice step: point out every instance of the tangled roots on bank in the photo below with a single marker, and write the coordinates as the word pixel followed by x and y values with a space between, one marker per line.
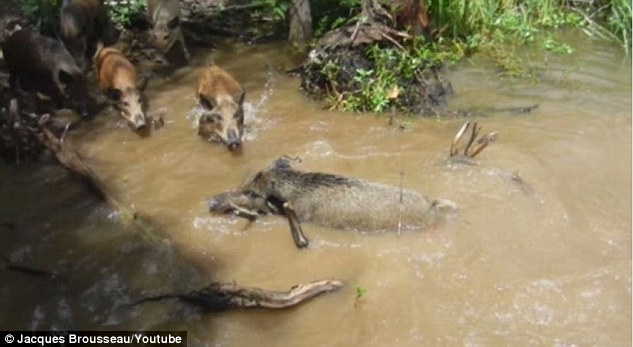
pixel 19 140
pixel 371 67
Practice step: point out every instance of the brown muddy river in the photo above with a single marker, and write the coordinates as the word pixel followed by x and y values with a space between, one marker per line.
pixel 542 264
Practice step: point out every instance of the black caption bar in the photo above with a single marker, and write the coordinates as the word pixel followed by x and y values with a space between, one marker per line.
pixel 94 338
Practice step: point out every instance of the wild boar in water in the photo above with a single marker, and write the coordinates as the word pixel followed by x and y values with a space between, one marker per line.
pixel 331 201
pixel 84 23
pixel 41 64
pixel 166 30
pixel 117 78
pixel 222 99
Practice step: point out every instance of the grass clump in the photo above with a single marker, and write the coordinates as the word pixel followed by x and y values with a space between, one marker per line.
pixel 487 25
pixel 609 20
pixel 499 27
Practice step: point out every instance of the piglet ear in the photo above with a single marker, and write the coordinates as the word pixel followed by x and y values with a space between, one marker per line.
pixel 283 163
pixel 65 77
pixel 207 102
pixel 240 98
pixel 172 24
pixel 100 46
pixel 142 83
pixel 113 93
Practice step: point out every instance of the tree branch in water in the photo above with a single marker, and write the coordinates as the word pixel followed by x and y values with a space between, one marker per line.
pixel 222 296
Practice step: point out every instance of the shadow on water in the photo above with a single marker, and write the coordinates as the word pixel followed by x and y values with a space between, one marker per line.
pixel 54 225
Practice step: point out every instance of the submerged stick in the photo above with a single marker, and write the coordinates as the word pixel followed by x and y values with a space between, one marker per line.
pixel 32 271
pixel 10 266
pixel 222 296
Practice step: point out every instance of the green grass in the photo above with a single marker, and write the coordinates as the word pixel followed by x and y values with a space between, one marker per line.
pixel 497 27
pixel 480 24
pixel 122 13
pixel 611 21
pixel 43 13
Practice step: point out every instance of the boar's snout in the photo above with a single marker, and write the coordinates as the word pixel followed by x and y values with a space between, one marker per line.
pixel 82 108
pixel 138 122
pixel 233 140
pixel 217 204
pixel 237 203
pixel 446 210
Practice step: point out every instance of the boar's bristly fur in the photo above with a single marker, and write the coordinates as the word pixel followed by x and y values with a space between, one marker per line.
pixel 332 201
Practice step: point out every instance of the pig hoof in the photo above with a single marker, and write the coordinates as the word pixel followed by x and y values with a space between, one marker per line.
pixel 301 244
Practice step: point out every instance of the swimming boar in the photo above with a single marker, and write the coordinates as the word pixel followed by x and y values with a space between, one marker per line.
pixel 166 30
pixel 331 201
pixel 41 64
pixel 222 98
pixel 116 76
pixel 83 23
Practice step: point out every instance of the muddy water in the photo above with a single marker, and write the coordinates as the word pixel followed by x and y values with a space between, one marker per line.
pixel 547 262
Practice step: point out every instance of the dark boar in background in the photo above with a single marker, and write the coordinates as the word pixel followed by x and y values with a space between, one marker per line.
pixel 166 30
pixel 84 23
pixel 43 65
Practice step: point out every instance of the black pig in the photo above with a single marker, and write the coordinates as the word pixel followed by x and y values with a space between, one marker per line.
pixel 41 64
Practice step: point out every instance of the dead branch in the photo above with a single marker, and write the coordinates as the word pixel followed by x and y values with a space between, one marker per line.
pixel 479 144
pixel 49 274
pixel 222 296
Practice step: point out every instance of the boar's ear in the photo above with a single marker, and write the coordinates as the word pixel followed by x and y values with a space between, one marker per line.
pixel 142 83
pixel 100 46
pixel 172 24
pixel 65 77
pixel 281 163
pixel 207 102
pixel 113 93
pixel 240 98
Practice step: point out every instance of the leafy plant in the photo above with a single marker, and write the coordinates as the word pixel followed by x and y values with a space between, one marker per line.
pixel 123 12
pixel 43 13
pixel 277 10
pixel 391 80
pixel 360 293
pixel 550 44
pixel 332 14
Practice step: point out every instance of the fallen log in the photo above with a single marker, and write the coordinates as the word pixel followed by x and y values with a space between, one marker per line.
pixel 222 296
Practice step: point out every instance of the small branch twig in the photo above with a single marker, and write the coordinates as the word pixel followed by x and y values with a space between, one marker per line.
pixel 479 144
